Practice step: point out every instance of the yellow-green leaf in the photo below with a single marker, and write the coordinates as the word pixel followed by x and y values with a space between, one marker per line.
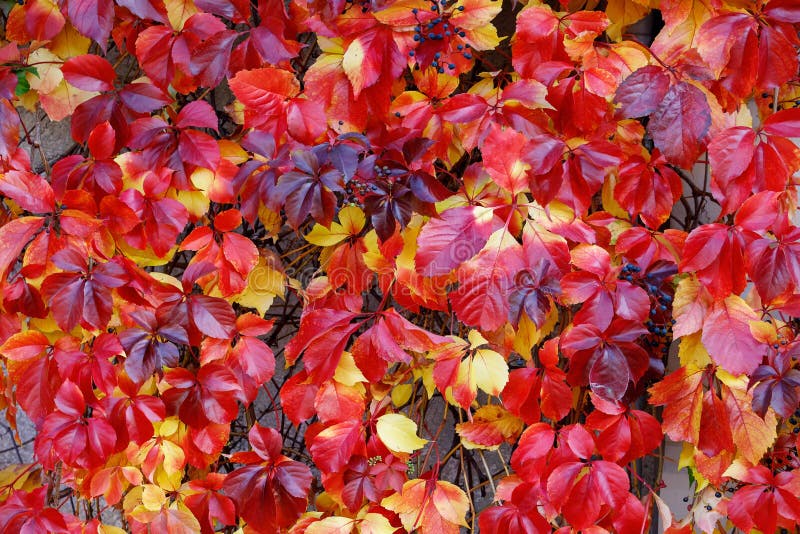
pixel 399 433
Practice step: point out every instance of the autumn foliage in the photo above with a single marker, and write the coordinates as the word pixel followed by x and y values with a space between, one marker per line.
pixel 378 266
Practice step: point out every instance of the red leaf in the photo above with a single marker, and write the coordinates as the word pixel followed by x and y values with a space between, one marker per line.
pixel 648 189
pixel 457 236
pixel 682 395
pixel 77 440
pixel 731 156
pixel 715 434
pixel 143 97
pixel 773 265
pixel 727 337
pixel 208 504
pixel 322 338
pixel 89 72
pixel 272 495
pixel 725 43
pixel 606 360
pixel 92 18
pixel 485 282
pixel 336 402
pixel 761 504
pixel 101 143
pixel 580 499
pixel 297 397
pixel 9 128
pixel 777 60
pixel 680 124
pixel 716 253
pixel 212 316
pixel 640 93
pixel 529 459
pixel 332 448
pixel 32 192
pixel 197 114
pixel 210 59
pixel 502 152
pixel 26 511
pixel 368 56
pixel 785 123
pixel 263 93
pixel 43 19
pixel 306 120
pixel 208 397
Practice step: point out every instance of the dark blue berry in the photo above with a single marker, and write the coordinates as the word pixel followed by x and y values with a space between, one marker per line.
pixel 411 53
pixel 416 37
pixel 451 66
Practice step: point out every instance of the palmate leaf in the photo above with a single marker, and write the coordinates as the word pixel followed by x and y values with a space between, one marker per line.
pixel 271 491
pixel 486 280
pixel 431 506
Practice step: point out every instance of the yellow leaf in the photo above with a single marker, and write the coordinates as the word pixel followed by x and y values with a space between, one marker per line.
pixel 476 339
pixel 490 426
pixel 264 283
pixel 195 202
pixel 165 278
pixel 146 257
pixel 622 14
pixel 232 151
pixel 687 460
pixel 399 433
pixel 353 65
pixel 484 38
pixel 331 525
pixel 271 220
pixel 528 336
pixel 689 308
pixel 25 477
pixel 374 523
pixel 410 233
pixel 48 71
pixel 352 221
pixel 401 393
pixel 610 203
pixel 692 353
pixel 153 497
pixel 752 435
pixel 62 101
pixel 489 371
pixel 347 372
pixel 69 43
pixel 440 511
pixel 179 11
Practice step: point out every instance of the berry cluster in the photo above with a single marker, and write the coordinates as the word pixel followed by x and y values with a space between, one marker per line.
pixel 440 41
pixel 659 324
pixel 356 190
